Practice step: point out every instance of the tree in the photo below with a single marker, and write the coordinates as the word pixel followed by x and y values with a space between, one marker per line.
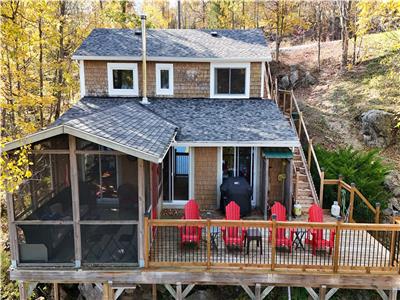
pixel 344 9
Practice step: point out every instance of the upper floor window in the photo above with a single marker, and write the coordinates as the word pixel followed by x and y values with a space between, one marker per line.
pixel 122 79
pixel 230 80
pixel 165 79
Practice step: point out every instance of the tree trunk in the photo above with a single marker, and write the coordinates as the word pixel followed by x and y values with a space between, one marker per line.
pixel 41 71
pixel 278 41
pixel 60 74
pixel 344 20
pixel 319 25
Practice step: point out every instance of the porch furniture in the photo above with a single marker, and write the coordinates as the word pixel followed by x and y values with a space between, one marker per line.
pixel 281 239
pixel 316 236
pixel 253 234
pixel 236 189
pixel 191 234
pixel 233 236
pixel 299 235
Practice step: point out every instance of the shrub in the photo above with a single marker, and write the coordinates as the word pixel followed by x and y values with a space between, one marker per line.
pixel 9 289
pixel 364 168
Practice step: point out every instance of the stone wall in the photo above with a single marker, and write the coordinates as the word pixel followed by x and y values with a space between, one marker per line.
pixel 205 173
pixel 191 79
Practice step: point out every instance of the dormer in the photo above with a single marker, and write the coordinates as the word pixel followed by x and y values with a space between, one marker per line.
pixel 181 63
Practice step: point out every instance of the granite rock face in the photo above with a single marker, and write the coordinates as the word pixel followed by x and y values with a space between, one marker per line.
pixel 378 128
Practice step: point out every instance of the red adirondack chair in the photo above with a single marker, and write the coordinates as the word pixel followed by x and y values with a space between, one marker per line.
pixel 191 234
pixel 233 236
pixel 315 237
pixel 281 240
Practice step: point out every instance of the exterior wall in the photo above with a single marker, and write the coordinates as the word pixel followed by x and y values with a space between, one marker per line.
pixel 255 80
pixel 191 80
pixel 205 172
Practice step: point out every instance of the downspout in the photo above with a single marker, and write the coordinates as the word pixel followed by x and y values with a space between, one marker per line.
pixel 144 61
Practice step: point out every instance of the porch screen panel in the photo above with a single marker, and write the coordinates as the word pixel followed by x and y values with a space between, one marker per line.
pixel 107 187
pixel 103 244
pixel 45 243
pixel 46 195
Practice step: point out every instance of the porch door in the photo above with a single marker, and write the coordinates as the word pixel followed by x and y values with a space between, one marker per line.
pixel 238 161
pixel 176 168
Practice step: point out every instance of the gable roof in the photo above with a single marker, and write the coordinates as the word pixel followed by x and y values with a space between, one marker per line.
pixel 121 125
pixel 175 45
pixel 147 131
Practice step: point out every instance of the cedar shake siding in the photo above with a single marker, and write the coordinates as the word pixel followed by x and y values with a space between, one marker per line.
pixel 205 177
pixel 191 79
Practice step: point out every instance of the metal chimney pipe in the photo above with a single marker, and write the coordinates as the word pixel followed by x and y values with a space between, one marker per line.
pixel 144 61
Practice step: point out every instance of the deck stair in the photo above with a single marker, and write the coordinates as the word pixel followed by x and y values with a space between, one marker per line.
pixel 304 191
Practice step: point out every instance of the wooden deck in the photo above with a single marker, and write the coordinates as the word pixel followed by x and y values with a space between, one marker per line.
pixel 356 247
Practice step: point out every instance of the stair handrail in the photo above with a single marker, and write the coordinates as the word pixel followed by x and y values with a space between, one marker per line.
pixel 312 157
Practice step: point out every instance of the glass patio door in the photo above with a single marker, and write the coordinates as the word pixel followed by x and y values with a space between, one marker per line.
pixel 238 161
pixel 176 169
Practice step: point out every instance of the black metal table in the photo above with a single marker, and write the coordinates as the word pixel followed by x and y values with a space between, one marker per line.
pixel 253 234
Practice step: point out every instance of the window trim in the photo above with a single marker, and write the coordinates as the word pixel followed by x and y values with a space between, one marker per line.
pixel 122 92
pixel 214 66
pixel 160 91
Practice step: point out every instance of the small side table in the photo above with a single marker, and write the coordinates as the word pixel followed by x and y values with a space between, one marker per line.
pixel 253 234
pixel 299 234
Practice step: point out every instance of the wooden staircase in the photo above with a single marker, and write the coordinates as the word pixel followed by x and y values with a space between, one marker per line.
pixel 304 191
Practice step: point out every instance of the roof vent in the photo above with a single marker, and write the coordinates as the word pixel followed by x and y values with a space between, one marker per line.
pixel 214 33
pixel 138 32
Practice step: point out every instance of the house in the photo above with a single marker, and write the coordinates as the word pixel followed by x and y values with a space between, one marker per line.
pixel 166 116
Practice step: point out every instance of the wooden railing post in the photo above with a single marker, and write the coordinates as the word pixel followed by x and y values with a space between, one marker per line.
pixel 351 205
pixel 208 243
pixel 146 240
pixel 337 245
pixel 310 144
pixel 291 104
pixel 321 188
pixel 392 245
pixel 273 243
pixel 300 122
pixel 339 191
pixel 377 212
pixel 284 103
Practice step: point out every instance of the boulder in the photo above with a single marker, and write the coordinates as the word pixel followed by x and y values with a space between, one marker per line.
pixel 392 181
pixel 309 79
pixel 90 291
pixel 378 128
pixel 284 83
pixel 294 75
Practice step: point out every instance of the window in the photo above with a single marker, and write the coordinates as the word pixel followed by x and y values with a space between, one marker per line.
pixel 230 80
pixel 164 79
pixel 122 79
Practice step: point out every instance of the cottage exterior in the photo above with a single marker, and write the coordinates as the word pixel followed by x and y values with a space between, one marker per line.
pixel 151 132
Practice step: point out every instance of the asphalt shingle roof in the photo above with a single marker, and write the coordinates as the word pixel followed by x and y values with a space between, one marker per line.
pixel 120 121
pixel 223 120
pixel 150 128
pixel 182 43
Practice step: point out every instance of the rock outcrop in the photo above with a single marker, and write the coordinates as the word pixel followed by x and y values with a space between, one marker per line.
pixel 378 128
pixel 296 77
pixel 392 183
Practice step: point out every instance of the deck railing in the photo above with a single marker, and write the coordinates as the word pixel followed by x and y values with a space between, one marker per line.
pixel 347 247
pixel 288 103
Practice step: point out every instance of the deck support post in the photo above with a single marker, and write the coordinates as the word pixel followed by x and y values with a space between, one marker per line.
pixel 309 153
pixel 154 291
pixel 56 291
pixel 322 292
pixel 393 294
pixel 22 290
pixel 321 188
pixel 377 212
pixel 339 193
pixel 312 293
pixel 179 291
pixel 257 291
pixel 106 291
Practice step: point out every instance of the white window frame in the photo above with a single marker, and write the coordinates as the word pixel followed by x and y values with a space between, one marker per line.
pixel 122 92
pixel 214 66
pixel 170 69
